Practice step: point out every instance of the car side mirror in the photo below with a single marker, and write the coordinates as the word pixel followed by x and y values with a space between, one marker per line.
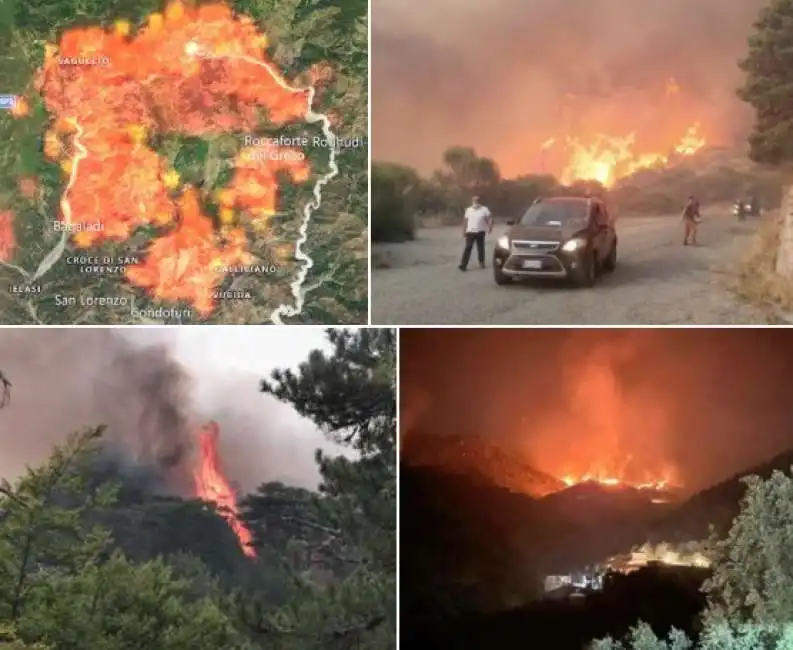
pixel 510 222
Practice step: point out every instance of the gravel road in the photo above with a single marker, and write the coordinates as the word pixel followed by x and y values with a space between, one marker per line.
pixel 657 282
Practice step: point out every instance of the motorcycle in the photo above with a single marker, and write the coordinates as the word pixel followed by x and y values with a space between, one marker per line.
pixel 740 210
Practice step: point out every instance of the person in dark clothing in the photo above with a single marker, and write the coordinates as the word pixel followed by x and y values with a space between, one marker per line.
pixel 5 391
pixel 691 219
pixel 477 223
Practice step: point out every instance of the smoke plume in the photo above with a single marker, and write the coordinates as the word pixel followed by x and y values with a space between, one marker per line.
pixel 607 427
pixel 64 380
pixel 502 76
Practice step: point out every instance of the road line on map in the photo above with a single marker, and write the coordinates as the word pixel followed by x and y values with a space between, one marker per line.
pixel 312 117
pixel 16 268
pixel 55 254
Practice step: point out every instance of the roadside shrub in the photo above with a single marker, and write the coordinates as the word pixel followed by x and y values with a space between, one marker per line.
pixel 393 204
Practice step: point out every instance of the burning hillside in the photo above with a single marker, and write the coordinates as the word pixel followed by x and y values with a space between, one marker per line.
pixel 617 85
pixel 624 476
pixel 608 431
pixel 591 154
pixel 150 401
pixel 607 159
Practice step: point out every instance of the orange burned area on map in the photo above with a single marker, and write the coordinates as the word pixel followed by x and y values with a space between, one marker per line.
pixel 193 71
pixel 7 237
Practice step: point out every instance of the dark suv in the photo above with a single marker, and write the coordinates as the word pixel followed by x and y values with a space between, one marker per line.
pixel 561 237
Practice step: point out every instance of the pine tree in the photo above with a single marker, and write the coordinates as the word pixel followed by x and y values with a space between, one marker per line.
pixel 750 594
pixel 61 583
pixel 350 526
pixel 768 87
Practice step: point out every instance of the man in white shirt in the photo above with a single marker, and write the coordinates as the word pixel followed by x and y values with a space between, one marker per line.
pixel 477 223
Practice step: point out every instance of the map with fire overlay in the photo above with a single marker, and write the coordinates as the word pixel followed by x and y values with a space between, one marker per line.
pixel 184 163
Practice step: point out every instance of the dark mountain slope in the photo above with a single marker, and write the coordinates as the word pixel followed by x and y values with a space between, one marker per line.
pixel 716 505
pixel 479 459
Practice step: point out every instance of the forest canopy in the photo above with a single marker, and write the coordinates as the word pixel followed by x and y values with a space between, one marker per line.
pixel 91 557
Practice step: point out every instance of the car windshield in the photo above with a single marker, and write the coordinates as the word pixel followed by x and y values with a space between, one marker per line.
pixel 555 213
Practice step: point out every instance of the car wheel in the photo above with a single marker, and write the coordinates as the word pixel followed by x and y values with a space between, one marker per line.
pixel 499 276
pixel 610 263
pixel 586 274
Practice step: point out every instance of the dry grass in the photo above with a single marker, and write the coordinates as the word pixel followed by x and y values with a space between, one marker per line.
pixel 757 280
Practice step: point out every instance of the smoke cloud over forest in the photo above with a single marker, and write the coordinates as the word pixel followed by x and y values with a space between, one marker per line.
pixel 503 76
pixel 695 406
pixel 64 380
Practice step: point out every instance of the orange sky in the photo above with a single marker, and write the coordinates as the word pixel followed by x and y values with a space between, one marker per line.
pixel 700 404
pixel 506 75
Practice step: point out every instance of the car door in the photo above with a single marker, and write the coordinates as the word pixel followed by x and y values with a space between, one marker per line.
pixel 609 230
pixel 599 228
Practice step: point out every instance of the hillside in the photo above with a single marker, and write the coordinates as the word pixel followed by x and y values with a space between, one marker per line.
pixel 597 503
pixel 483 546
pixel 474 537
pixel 479 460
pixel 714 175
pixel 464 544
pixel 716 505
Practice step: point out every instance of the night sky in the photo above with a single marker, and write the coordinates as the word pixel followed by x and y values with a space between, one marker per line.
pixel 704 402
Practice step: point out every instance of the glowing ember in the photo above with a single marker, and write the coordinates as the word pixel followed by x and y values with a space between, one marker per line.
pixel 211 485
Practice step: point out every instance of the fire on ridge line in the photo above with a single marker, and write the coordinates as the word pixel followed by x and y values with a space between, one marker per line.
pixel 606 158
pixel 660 484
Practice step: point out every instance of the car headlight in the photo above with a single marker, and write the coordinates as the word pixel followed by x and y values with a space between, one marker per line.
pixel 503 243
pixel 573 245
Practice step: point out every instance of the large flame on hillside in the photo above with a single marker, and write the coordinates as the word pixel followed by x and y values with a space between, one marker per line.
pixel 606 157
pixel 213 486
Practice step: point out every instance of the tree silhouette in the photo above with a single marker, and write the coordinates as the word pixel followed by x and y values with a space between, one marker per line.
pixel 5 390
pixel 750 593
pixel 768 87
